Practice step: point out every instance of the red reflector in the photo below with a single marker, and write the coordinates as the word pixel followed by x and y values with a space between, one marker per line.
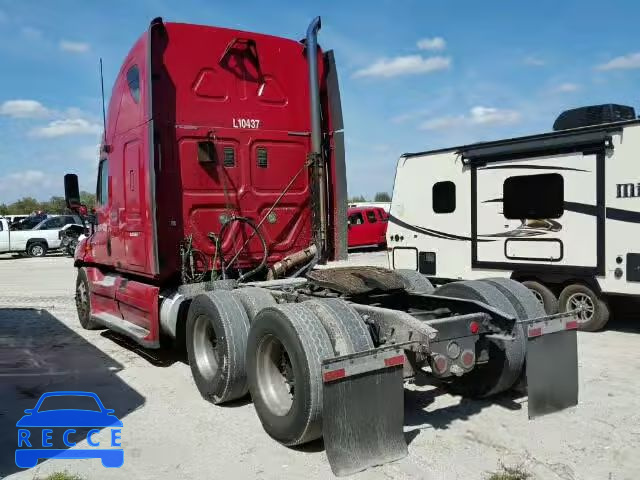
pixel 393 361
pixel 333 375
pixel 535 332
pixel 474 328
pixel 571 325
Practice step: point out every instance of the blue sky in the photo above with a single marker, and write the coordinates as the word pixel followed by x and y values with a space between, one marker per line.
pixel 414 75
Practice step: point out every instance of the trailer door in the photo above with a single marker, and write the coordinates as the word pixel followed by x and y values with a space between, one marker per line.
pixel 541 211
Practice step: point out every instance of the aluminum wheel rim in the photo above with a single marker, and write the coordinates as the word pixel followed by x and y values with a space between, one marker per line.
pixel 206 348
pixel 82 300
pixel 538 296
pixel 583 302
pixel 276 379
pixel 36 250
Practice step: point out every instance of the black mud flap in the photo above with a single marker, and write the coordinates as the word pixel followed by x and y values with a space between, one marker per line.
pixel 552 363
pixel 363 409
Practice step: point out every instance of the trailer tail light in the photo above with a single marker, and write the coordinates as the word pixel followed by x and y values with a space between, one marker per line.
pixel 474 328
pixel 393 361
pixel 468 358
pixel 440 363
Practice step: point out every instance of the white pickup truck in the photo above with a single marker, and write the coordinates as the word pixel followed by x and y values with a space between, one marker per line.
pixel 37 241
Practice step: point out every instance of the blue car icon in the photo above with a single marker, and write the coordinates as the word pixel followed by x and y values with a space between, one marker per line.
pixel 95 419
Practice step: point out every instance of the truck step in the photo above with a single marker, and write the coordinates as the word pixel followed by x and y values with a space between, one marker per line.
pixel 135 332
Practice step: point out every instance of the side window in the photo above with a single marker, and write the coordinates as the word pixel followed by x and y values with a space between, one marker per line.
pixel 133 80
pixel 444 197
pixel 1 227
pixel 53 223
pixel 371 216
pixel 356 219
pixel 533 196
pixel 102 191
pixel 383 215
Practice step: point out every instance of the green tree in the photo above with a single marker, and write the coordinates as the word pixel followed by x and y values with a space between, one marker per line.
pixel 4 209
pixel 55 205
pixel 24 205
pixel 382 197
pixel 357 198
pixel 89 199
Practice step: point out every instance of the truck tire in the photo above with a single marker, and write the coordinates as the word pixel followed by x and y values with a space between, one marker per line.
pixel 506 359
pixel 414 281
pixel 545 296
pixel 37 249
pixel 216 331
pixel 524 301
pixel 83 302
pixel 254 299
pixel 346 329
pixel 596 315
pixel 286 346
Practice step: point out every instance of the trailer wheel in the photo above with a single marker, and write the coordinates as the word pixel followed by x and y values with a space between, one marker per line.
pixel 286 346
pixel 254 299
pixel 37 249
pixel 346 329
pixel 83 302
pixel 506 359
pixel 216 331
pixel 596 311
pixel 545 296
pixel 414 281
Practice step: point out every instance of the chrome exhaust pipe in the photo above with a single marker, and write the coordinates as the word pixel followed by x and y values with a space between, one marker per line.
pixel 318 169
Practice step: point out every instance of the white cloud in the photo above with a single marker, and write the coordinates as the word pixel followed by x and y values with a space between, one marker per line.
pixel 71 126
pixel 566 88
pixel 407 65
pixel 435 43
pixel 534 61
pixel 624 62
pixel 477 116
pixel 74 47
pixel 23 109
pixel 31 33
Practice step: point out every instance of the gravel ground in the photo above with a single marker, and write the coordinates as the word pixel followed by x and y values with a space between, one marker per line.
pixel 170 432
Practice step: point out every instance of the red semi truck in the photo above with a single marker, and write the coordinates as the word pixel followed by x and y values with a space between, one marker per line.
pixel 221 185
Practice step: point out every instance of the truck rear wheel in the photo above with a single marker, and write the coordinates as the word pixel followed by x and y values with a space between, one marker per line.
pixel 526 304
pixel 545 296
pixel 506 359
pixel 346 329
pixel 286 346
pixel 83 302
pixel 216 331
pixel 595 313
pixel 414 281
pixel 254 299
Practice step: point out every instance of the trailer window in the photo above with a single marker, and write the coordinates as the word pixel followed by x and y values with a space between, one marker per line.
pixel 371 216
pixel 444 197
pixel 133 80
pixel 103 183
pixel 533 196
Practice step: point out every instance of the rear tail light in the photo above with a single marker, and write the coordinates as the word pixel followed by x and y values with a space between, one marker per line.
pixel 474 328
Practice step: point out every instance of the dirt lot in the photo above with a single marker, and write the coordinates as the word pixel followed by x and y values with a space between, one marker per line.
pixel 170 432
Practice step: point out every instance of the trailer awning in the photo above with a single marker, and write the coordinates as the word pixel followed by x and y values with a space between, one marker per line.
pixel 574 142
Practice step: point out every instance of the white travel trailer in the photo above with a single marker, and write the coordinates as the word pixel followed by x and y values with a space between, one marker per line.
pixel 559 212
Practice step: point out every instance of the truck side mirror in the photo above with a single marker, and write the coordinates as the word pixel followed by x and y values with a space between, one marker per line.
pixel 71 190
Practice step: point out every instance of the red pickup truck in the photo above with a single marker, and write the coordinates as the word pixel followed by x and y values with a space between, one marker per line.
pixel 367 227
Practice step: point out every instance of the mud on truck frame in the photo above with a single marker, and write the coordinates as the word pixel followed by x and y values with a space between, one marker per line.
pixel 323 352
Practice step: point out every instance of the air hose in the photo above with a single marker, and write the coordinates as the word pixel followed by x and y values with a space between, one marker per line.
pixel 220 254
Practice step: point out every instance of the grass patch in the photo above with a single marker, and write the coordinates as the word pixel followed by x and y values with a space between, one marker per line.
pixel 510 473
pixel 60 476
